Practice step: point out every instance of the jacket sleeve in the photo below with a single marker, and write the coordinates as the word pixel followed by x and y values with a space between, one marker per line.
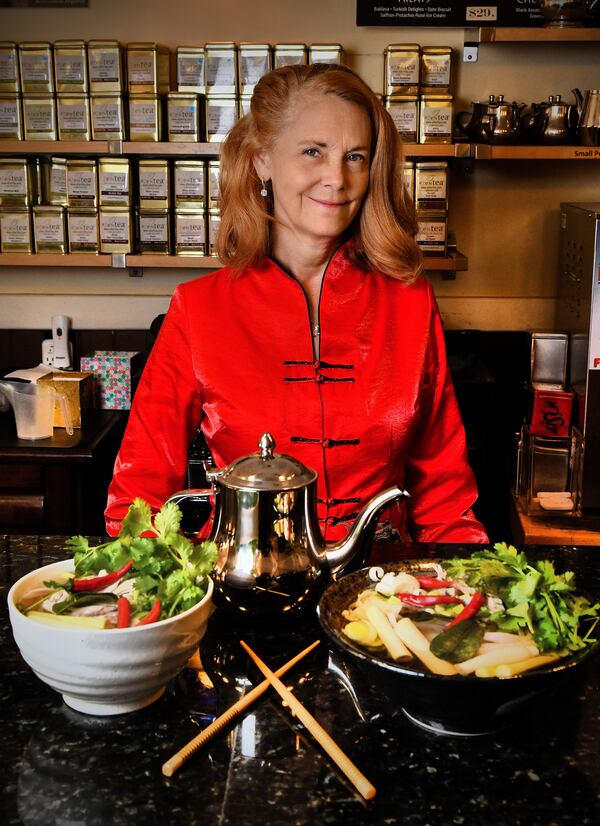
pixel 437 475
pixel 164 416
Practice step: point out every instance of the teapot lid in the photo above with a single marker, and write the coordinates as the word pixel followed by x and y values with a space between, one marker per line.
pixel 267 470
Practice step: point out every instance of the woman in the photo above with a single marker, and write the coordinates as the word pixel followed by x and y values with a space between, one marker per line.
pixel 319 329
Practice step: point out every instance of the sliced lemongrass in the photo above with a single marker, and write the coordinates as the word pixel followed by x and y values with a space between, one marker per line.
pixel 395 647
pixel 416 642
pixel 504 654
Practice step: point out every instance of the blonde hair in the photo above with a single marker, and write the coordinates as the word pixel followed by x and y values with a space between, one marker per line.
pixel 385 227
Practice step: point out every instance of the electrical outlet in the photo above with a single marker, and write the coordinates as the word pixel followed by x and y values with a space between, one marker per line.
pixel 48 352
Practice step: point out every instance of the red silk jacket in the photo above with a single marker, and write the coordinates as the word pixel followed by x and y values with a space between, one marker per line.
pixel 235 354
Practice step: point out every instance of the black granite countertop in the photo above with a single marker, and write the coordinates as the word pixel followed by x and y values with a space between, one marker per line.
pixel 62 767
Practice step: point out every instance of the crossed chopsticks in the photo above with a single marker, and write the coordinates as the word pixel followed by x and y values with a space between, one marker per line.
pixel 354 775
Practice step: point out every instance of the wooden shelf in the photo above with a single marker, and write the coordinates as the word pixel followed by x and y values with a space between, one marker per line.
pixel 486 152
pixel 208 150
pixel 454 262
pixel 190 262
pixel 61 148
pixel 543 34
pixel 45 259
pixel 553 530
pixel 163 148
pixel 437 150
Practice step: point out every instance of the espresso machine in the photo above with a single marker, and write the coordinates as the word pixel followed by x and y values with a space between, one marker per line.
pixel 578 314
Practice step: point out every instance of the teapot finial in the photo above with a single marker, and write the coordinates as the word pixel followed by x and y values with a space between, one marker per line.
pixel 266 445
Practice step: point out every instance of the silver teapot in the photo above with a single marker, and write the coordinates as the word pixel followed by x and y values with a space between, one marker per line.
pixel 588 107
pixel 272 558
pixel 551 123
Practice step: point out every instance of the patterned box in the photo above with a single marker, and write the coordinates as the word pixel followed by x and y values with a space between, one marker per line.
pixel 113 370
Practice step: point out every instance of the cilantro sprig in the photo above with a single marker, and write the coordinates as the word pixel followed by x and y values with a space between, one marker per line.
pixel 535 598
pixel 166 565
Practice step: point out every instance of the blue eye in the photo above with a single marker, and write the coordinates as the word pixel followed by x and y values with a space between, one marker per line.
pixel 311 152
pixel 354 156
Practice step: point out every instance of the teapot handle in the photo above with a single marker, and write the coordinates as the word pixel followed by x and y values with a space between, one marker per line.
pixel 462 121
pixel 200 509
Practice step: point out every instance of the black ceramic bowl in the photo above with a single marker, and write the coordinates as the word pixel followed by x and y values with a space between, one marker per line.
pixel 446 705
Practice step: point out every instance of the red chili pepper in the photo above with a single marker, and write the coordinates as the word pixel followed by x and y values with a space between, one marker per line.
pixel 419 600
pixel 432 582
pixel 96 583
pixel 470 609
pixel 123 612
pixel 152 615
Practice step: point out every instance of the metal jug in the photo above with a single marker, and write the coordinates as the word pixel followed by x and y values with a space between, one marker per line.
pixel 589 117
pixel 272 558
pixel 501 123
pixel 551 123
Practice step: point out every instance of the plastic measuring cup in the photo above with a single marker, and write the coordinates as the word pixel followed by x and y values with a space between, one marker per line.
pixel 33 405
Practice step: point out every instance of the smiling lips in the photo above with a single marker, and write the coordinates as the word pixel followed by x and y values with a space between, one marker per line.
pixel 330 204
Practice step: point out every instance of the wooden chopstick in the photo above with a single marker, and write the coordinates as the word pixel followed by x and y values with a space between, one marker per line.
pixel 173 763
pixel 342 760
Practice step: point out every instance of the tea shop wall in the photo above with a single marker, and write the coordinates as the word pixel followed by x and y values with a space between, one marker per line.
pixel 505 214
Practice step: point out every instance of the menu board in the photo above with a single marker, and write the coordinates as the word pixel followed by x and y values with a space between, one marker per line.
pixel 456 13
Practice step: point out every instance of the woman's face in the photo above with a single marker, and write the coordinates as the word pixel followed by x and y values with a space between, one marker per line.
pixel 319 168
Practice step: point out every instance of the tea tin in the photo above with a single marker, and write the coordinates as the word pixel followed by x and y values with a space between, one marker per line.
pixel 11 120
pixel 154 184
pixel 105 66
pixel 9 68
pixel 15 230
pixel 147 68
pixel 183 117
pixel 254 61
pixel 116 230
pixel 35 65
pixel 39 117
pixel 145 118
pixel 221 68
pixel 114 182
pixel 325 53
pixel 190 233
pixel 73 116
pixel 402 67
pixel 431 186
pixel 83 231
pixel 432 234
pixel 108 117
pixel 435 122
pixel 221 115
pixel 49 232
pixel 436 70
pixel 82 187
pixel 70 67
pixel 153 231
pixel 404 111
pixel 289 54
pixel 189 185
pixel 191 75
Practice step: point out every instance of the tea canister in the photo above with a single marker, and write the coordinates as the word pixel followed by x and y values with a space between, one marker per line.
pixel 83 231
pixel 15 230
pixel 153 231
pixel 35 64
pixel 214 173
pixel 108 117
pixel 9 68
pixel 436 70
pixel 16 186
pixel 214 221
pixel 432 234
pixel 221 68
pixel 145 118
pixel 221 115
pixel 404 111
pixel 190 233
pixel 11 120
pixel 116 230
pixel 82 184
pixel 189 185
pixel 254 61
pixel 435 123
pixel 54 181
pixel 325 53
pixel 154 184
pixel 183 117
pixel 70 67
pixel 39 117
pixel 49 231
pixel 409 178
pixel 147 68
pixel 105 66
pixel 402 69
pixel 431 186
pixel 114 181
pixel 73 116
pixel 289 54
pixel 191 75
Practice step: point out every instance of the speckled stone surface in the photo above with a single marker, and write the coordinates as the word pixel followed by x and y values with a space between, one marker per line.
pixel 62 767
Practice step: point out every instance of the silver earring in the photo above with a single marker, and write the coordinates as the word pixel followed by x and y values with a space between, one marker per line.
pixel 263 191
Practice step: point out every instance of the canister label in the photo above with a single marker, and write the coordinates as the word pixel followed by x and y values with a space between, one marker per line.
pixel 153 185
pixel 190 72
pixel 35 68
pixel 252 68
pixel 106 117
pixel 81 184
pixel 142 117
pixel 48 229
pixel 15 229
pixel 69 68
pixel 58 180
pixel 39 117
pixel 437 120
pixel 72 117
pixel 220 119
pixel 154 229
pixel 114 229
pixel 403 70
pixel 220 70
pixel 182 119
pixel 9 118
pixel 114 186
pixel 104 66
pixel 189 184
pixel 13 182
pixel 83 230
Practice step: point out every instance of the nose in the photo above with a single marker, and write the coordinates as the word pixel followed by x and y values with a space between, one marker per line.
pixel 334 175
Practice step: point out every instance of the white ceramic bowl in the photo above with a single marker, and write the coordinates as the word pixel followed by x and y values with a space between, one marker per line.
pixel 109 671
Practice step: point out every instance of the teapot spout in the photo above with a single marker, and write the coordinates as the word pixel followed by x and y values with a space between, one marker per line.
pixel 578 100
pixel 354 547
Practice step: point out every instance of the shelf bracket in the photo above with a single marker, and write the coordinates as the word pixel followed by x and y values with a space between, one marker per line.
pixel 115 147
pixel 117 260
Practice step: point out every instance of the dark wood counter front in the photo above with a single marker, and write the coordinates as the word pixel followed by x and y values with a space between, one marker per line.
pixel 58 485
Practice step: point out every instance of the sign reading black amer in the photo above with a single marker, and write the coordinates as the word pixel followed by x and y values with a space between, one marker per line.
pixel 456 13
